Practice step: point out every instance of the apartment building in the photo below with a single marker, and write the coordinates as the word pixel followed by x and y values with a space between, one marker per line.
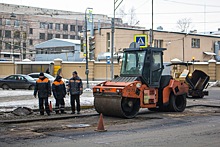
pixel 22 27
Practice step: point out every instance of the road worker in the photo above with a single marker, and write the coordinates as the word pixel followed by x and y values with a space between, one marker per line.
pixel 59 93
pixel 43 88
pixel 75 88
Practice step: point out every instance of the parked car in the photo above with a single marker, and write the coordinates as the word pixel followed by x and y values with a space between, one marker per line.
pixel 17 81
pixel 50 77
pixel 35 76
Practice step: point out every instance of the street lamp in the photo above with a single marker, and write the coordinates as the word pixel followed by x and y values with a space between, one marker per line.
pixel 87 70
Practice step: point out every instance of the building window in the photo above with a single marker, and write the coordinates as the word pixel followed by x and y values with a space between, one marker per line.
pixel 57 26
pixel 17 34
pixel 31 42
pixel 16 45
pixel 79 28
pixel 17 23
pixel 16 56
pixel 6 55
pixel 72 36
pixel 43 25
pixel 77 37
pixel 65 27
pixel 49 36
pixel 7 34
pixel 24 35
pixel 0 45
pixel 7 45
pixel 72 27
pixel 65 36
pixel 8 22
pixel 24 45
pixel 31 31
pixel 57 36
pixel 50 26
pixel 158 43
pixel 24 23
pixel 195 43
pixel 42 36
pixel 108 42
pixel 24 50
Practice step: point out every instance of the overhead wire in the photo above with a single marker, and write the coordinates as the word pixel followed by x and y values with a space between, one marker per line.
pixel 192 4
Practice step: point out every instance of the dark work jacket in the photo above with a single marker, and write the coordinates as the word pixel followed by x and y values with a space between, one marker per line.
pixel 43 88
pixel 59 89
pixel 75 86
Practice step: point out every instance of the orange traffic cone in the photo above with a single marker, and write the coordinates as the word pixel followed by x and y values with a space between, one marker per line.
pixel 100 127
pixel 50 107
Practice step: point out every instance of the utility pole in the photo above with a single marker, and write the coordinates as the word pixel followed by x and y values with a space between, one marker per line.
pixel 112 42
pixel 87 69
pixel 152 25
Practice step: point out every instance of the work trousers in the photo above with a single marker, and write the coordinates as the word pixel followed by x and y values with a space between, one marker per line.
pixel 72 101
pixel 44 102
pixel 59 106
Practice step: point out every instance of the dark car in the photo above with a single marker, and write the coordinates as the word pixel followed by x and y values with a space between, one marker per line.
pixel 17 81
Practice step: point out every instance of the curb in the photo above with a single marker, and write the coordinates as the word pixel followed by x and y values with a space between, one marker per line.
pixel 214 106
pixel 48 118
pixel 69 108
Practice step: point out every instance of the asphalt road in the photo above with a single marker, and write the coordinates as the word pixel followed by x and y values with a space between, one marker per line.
pixel 197 126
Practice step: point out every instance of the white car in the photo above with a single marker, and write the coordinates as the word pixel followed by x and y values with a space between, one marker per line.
pixel 50 77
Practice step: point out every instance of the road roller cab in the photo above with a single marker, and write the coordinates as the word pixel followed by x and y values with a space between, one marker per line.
pixel 140 85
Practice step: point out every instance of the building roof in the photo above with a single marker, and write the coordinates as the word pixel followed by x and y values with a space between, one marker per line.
pixel 55 42
pixel 162 31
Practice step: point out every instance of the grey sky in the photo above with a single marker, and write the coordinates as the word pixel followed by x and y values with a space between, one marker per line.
pixel 203 13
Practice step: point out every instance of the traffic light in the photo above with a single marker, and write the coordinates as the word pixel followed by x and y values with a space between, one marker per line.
pixel 91 43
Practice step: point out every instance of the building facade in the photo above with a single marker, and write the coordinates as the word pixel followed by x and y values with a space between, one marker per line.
pixel 22 27
pixel 184 46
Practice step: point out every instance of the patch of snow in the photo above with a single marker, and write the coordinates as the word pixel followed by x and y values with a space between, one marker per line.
pixel 86 99
pixel 5 93
pixel 214 84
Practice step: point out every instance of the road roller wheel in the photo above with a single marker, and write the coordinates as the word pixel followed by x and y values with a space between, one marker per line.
pixel 177 103
pixel 130 107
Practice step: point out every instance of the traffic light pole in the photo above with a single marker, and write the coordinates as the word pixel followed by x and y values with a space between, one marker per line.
pixel 87 69
pixel 112 42
pixel 112 46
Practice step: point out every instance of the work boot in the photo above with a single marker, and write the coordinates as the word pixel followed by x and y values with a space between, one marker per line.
pixel 78 112
pixel 63 112
pixel 73 112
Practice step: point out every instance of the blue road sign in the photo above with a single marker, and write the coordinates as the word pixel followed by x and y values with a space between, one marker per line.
pixel 141 40
pixel 108 60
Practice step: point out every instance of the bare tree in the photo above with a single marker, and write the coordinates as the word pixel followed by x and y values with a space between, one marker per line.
pixel 121 12
pixel 184 24
pixel 129 17
pixel 132 17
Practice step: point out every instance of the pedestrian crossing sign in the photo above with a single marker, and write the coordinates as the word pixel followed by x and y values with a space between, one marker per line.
pixel 142 40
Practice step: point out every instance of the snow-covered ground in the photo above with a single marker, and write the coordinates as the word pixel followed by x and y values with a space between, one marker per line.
pixel 5 93
pixel 86 99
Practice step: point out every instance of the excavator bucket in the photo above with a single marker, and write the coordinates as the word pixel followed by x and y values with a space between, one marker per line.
pixel 198 82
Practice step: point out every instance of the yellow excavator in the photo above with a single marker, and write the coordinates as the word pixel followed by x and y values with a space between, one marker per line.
pixel 197 80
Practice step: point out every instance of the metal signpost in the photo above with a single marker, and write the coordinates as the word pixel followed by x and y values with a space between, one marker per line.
pixel 108 61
